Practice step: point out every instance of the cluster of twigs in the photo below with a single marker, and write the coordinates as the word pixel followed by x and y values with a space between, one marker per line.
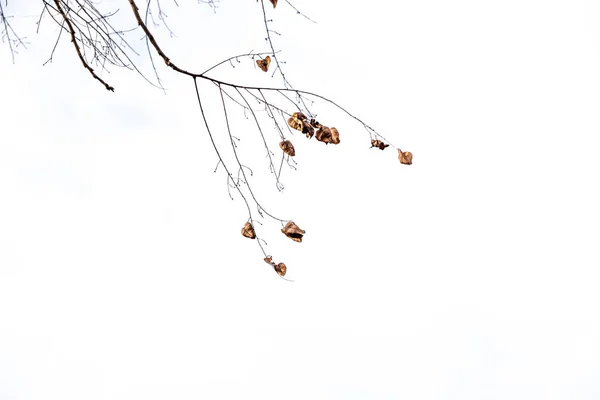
pixel 98 43
pixel 8 34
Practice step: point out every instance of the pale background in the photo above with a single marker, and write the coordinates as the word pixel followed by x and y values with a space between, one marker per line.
pixel 472 274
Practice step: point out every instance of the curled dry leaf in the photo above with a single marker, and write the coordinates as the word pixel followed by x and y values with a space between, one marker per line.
pixel 379 144
pixel 335 136
pixel 299 122
pixel 288 148
pixel 281 269
pixel 264 64
pixel 293 231
pixel 274 2
pixel 308 129
pixel 248 231
pixel 405 157
pixel 327 135
pixel 295 123
pixel 299 115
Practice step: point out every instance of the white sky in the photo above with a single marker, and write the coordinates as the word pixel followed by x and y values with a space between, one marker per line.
pixel 472 274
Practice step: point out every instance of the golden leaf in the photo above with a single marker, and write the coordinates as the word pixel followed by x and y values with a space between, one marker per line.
pixel 281 269
pixel 295 123
pixel 264 64
pixel 405 157
pixel 293 231
pixel 379 144
pixel 288 148
pixel 248 231
pixel 274 2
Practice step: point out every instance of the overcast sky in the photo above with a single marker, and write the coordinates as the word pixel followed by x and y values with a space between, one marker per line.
pixel 472 274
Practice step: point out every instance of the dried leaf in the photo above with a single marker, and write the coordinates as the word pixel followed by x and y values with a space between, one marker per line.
pixel 248 231
pixel 308 129
pixel 281 269
pixel 295 123
pixel 379 144
pixel 298 115
pixel 264 64
pixel 327 135
pixel 274 2
pixel 288 148
pixel 405 157
pixel 323 134
pixel 335 136
pixel 269 260
pixel 293 231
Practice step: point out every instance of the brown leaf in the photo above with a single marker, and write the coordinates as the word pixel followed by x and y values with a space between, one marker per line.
pixel 248 231
pixel 288 148
pixel 323 134
pixel 293 231
pixel 281 269
pixel 379 144
pixel 264 64
pixel 405 157
pixel 295 123
pixel 299 115
pixel 274 2
pixel 335 136
pixel 308 129
pixel 327 135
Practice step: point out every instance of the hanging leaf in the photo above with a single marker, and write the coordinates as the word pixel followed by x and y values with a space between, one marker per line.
pixel 274 2
pixel 281 269
pixel 308 129
pixel 298 115
pixel 299 122
pixel 405 157
pixel 248 231
pixel 327 135
pixel 288 148
pixel 295 123
pixel 379 144
pixel 335 136
pixel 293 231
pixel 264 64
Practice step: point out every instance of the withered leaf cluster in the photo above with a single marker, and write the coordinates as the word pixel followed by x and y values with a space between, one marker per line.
pixel 290 230
pixel 379 144
pixel 405 157
pixel 288 148
pixel 248 231
pixel 264 64
pixel 323 133
pixel 293 231
pixel 280 268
